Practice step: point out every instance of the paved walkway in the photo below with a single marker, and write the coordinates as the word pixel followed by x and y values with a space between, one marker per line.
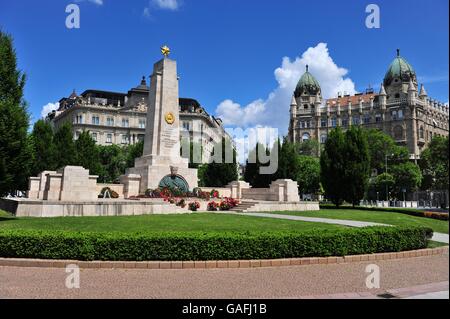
pixel 431 295
pixel 439 237
pixel 400 277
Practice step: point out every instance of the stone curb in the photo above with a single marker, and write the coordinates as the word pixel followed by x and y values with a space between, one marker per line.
pixel 216 264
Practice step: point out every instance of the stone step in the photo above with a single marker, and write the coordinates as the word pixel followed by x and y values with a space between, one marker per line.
pixel 244 207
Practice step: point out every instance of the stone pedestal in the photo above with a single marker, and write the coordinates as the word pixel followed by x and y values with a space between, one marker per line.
pixel 236 188
pixel 286 190
pixel 131 184
pixel 53 186
pixel 77 184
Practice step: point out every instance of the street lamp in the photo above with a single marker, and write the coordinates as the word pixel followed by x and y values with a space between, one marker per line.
pixel 387 187
pixel 404 196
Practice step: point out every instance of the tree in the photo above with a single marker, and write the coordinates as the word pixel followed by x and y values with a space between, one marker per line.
pixel 288 161
pixel 308 174
pixel 380 144
pixel 407 177
pixel 220 172
pixel 15 149
pixel 113 162
pixel 134 151
pixel 87 153
pixel 43 148
pixel 309 148
pixel 332 167
pixel 357 165
pixel 65 152
pixel 435 163
pixel 195 155
pixel 253 164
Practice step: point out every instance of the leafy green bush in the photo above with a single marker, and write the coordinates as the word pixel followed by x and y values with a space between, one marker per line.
pixel 407 211
pixel 209 246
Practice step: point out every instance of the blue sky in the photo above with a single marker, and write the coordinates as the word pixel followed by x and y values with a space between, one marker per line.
pixel 229 52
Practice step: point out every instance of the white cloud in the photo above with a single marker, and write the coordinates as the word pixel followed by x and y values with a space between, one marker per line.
pixel 171 5
pixel 48 108
pixel 166 4
pixel 274 110
pixel 146 13
pixel 97 2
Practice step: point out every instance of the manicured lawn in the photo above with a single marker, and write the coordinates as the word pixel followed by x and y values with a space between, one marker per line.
pixel 390 218
pixel 4 214
pixel 198 222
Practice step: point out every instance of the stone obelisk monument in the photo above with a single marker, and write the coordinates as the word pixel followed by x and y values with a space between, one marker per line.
pixel 161 163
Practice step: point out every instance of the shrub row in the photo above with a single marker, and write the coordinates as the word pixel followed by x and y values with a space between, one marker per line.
pixel 209 246
pixel 407 211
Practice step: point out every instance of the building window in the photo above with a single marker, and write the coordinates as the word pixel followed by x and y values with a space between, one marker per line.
pixel 95 120
pixel 186 126
pixel 109 138
pixel 305 137
pixel 125 123
pixel 378 118
pixel 366 119
pixel 125 139
pixel 394 115
pixel 79 119
pixel 141 123
pixel 333 122
pixel 94 136
pixel 305 106
pixel 141 137
pixel 110 121
pixel 356 121
pixel 421 133
pixel 398 132
pixel 345 122
pixel 323 138
pixel 323 122
pixel 400 114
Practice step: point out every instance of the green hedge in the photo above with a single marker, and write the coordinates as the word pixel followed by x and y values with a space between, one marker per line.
pixel 209 246
pixel 407 211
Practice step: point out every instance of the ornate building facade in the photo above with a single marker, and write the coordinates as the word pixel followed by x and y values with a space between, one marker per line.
pixel 120 118
pixel 400 109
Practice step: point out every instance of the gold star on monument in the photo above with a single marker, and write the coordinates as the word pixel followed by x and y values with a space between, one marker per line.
pixel 165 51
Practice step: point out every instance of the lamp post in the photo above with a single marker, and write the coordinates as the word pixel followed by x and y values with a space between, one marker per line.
pixel 404 197
pixel 386 166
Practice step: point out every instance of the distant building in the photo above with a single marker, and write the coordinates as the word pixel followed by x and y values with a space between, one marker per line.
pixel 400 109
pixel 120 118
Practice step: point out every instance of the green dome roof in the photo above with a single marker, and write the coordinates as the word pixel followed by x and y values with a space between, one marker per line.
pixel 307 85
pixel 399 69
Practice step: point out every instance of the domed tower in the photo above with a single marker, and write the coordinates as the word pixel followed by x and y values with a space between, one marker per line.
pixel 306 90
pixel 398 77
pixel 307 96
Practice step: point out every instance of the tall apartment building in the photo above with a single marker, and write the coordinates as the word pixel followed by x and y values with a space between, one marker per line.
pixel 120 118
pixel 400 109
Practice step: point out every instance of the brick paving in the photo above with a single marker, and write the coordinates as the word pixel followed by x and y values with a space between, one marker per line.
pixel 400 277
